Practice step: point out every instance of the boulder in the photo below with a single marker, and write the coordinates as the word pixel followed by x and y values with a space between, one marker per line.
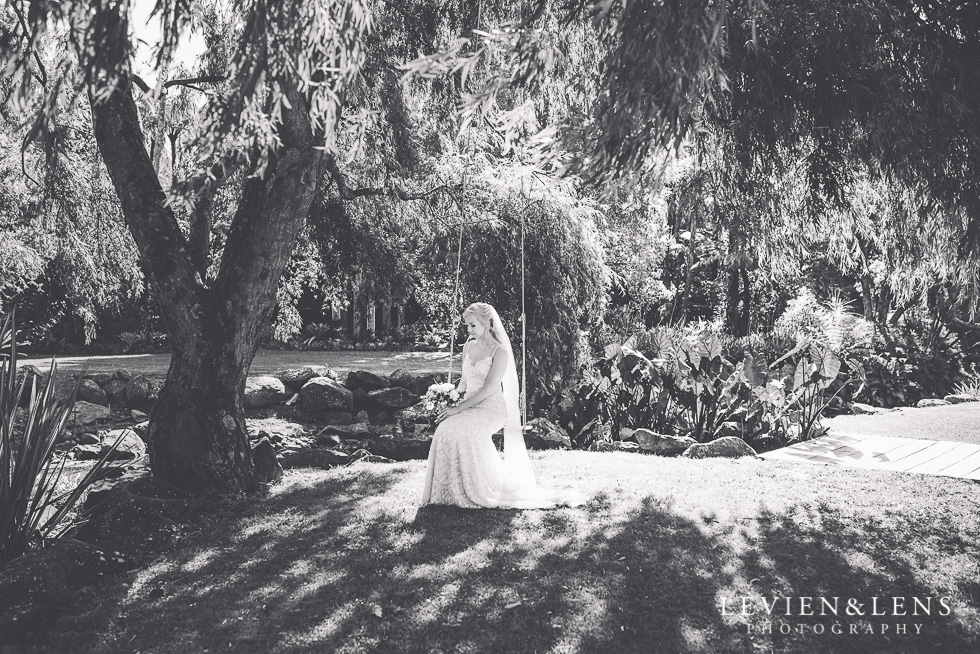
pixel 262 391
pixel 90 391
pixel 367 380
pixel 88 438
pixel 335 418
pixel 314 457
pixel 542 434
pixel 961 398
pixel 267 467
pixel 87 452
pixel 615 446
pixel 356 430
pixel 139 392
pixel 138 415
pixel 419 383
pixel 115 390
pixel 367 457
pixel 85 413
pixel 859 409
pixel 130 447
pixel 123 375
pixel 662 444
pixel 728 447
pixel 326 439
pixel 362 416
pixel 100 378
pixel 321 394
pixel 401 449
pixel 393 397
pixel 403 379
pixel 274 429
pixel 295 377
pixel 415 414
pixel 926 403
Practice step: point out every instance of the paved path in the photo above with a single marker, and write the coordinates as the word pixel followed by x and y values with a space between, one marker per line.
pixel 955 422
pixel 916 455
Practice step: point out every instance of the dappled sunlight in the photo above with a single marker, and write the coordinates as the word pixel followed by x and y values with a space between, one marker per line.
pixel 345 561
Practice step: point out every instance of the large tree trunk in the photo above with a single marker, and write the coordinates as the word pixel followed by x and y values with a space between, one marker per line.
pixel 197 436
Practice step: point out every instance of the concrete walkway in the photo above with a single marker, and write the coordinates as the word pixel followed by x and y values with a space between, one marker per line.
pixel 916 455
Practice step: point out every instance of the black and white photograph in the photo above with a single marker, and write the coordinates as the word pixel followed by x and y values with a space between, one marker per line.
pixel 490 326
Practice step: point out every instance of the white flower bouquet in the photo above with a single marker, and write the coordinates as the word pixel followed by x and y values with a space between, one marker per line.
pixel 441 395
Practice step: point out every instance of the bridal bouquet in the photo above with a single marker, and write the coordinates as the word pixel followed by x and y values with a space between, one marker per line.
pixel 440 395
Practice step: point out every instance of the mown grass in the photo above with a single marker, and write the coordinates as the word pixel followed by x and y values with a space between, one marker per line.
pixel 344 561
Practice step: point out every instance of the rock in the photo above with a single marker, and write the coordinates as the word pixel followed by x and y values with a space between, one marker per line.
pixel 85 413
pixel 130 447
pixel 415 414
pixel 115 390
pixel 267 467
pixel 727 447
pixel 335 418
pixel 367 457
pixel 961 398
pixel 275 429
pixel 90 391
pixel 401 449
pixel 123 375
pixel 359 397
pixel 662 444
pixel 356 430
pixel 88 438
pixel 325 439
pixel 139 392
pixel 403 379
pixel 31 585
pixel 100 378
pixel 615 446
pixel 296 377
pixel 625 433
pixel 262 391
pixel 362 416
pixel 322 394
pixel 859 409
pixel 367 380
pixel 925 403
pixel 542 434
pixel 87 452
pixel 138 415
pixel 314 458
pixel 394 397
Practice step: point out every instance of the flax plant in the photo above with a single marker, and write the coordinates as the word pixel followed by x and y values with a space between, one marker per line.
pixel 33 506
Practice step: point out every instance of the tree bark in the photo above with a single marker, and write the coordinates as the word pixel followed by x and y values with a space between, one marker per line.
pixel 197 437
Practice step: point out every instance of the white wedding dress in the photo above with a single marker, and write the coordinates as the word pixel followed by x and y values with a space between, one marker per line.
pixel 465 469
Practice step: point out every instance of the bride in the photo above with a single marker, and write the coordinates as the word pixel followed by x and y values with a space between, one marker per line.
pixel 464 467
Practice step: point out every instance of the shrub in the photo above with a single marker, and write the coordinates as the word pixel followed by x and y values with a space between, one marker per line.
pixel 681 384
pixel 33 504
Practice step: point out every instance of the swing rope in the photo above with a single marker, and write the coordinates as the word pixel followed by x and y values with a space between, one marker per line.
pixel 522 319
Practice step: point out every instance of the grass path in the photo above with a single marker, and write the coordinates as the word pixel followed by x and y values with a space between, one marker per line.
pixel 344 561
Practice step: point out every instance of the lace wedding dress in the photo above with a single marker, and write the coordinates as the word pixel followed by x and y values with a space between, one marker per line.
pixel 465 469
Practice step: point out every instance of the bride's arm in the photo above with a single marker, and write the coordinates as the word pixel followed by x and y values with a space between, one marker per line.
pixel 494 377
pixel 461 386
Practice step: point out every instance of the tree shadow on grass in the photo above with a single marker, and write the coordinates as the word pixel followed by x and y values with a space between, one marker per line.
pixel 346 563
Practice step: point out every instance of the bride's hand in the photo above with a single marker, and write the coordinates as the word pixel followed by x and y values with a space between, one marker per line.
pixel 445 412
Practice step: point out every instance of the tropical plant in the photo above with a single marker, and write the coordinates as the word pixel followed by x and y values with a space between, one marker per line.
pixel 34 501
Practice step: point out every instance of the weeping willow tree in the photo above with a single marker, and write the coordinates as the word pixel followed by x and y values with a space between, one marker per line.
pixel 808 103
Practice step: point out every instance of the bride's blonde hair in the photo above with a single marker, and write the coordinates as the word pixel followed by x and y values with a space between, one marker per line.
pixel 487 315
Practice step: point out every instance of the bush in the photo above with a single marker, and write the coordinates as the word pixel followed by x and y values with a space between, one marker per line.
pixel 681 384
pixel 33 504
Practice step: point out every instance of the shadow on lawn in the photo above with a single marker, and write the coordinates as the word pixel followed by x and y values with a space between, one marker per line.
pixel 347 564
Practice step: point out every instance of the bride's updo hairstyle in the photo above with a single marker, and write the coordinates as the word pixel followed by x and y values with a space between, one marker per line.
pixel 486 314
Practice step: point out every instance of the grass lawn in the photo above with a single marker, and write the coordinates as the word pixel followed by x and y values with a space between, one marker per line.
pixel 344 561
